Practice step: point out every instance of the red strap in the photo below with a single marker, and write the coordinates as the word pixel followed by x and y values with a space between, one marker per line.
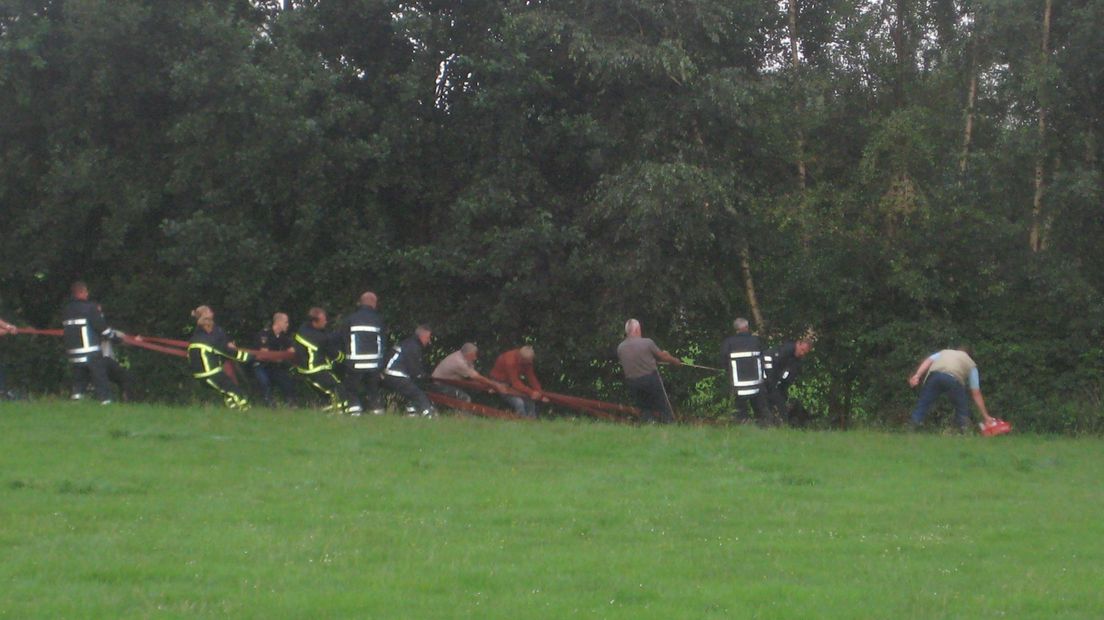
pixel 144 344
pixel 166 341
pixel 265 355
pixel 39 332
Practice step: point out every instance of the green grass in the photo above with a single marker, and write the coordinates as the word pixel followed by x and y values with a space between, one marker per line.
pixel 141 511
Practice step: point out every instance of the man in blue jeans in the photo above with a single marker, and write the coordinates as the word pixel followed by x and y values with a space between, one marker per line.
pixel 948 372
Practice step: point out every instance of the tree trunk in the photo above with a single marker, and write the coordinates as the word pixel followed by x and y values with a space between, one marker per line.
pixel 749 286
pixel 971 97
pixel 796 62
pixel 1037 239
pixel 899 33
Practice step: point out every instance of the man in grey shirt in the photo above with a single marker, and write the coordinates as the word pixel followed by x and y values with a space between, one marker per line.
pixel 460 366
pixel 638 357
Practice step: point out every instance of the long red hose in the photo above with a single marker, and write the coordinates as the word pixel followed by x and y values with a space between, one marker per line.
pixel 599 409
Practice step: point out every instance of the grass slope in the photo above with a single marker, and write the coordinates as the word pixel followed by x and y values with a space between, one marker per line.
pixel 139 511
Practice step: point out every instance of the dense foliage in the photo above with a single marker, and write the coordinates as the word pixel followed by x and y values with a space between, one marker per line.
pixel 908 174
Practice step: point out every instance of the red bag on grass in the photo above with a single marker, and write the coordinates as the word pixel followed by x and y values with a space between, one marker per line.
pixel 994 427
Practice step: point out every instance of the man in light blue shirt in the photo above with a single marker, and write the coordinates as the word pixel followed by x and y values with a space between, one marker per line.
pixel 948 371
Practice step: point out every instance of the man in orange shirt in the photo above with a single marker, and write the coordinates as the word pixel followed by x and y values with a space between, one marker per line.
pixel 515 369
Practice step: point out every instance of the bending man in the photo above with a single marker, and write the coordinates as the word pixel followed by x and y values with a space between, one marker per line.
pixel 948 372
pixel 460 366
pixel 405 367
pixel 515 369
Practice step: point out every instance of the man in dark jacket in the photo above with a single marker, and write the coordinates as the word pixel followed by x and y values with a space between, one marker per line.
pixel 742 356
pixel 316 351
pixel 405 367
pixel 782 366
pixel 268 374
pixel 363 341
pixel 207 350
pixel 84 327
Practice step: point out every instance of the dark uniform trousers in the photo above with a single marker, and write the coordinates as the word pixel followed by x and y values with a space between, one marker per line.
pixel 120 376
pixel 366 382
pixel 93 371
pixel 231 393
pixel 325 381
pixel 756 402
pixel 410 391
pixel 651 398
pixel 268 375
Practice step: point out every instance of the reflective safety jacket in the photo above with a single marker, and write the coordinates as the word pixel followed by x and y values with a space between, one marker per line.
pixel 781 365
pixel 315 350
pixel 742 355
pixel 84 327
pixel 207 350
pixel 406 360
pixel 363 339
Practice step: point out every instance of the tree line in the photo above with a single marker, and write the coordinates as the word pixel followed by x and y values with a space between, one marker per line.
pixel 899 175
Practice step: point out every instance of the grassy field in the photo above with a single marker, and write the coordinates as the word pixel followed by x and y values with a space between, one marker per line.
pixel 133 511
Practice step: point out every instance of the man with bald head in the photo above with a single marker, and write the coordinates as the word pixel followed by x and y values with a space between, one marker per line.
pixel 638 357
pixel 275 338
pixel 363 340
pixel 405 368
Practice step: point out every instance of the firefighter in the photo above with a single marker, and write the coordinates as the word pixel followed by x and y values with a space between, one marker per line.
pixel 405 367
pixel 84 328
pixel 638 357
pixel 782 366
pixel 363 341
pixel 207 350
pixel 316 351
pixel 742 356
pixel 275 338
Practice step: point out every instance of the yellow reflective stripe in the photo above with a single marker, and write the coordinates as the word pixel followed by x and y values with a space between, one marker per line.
pixel 312 349
pixel 204 351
